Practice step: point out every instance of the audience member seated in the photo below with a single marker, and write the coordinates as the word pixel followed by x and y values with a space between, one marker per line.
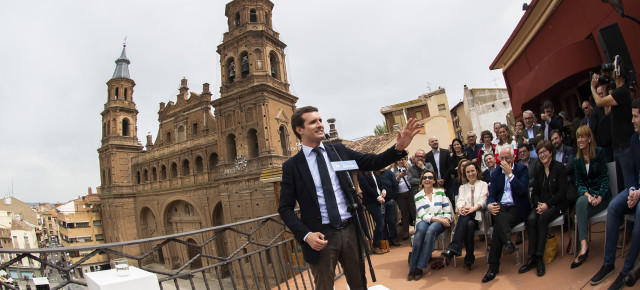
pixel 433 211
pixel 624 203
pixel 472 147
pixel 531 134
pixel 509 204
pixel 490 161
pixel 487 148
pixel 518 128
pixel 525 159
pixel 549 120
pixel 548 203
pixel 506 141
pixel 472 198
pixel 592 182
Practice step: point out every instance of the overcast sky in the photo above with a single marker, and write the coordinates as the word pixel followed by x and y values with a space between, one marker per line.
pixel 348 58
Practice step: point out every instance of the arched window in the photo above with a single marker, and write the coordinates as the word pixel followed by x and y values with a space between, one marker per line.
pixel 168 137
pixel 231 70
pixel 283 140
pixel 274 64
pixel 125 127
pixel 182 134
pixel 124 96
pixel 252 143
pixel 117 93
pixel 104 178
pixel 231 147
pixel 154 174
pixel 185 167
pixel 174 170
pixel 213 160
pixel 253 17
pixel 108 128
pixel 138 177
pixel 199 165
pixel 163 172
pixel 244 68
pixel 145 175
pixel 237 19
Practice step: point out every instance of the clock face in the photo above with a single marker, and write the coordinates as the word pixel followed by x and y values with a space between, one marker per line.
pixel 241 162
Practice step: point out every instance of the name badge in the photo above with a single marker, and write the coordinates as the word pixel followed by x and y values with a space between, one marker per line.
pixel 344 165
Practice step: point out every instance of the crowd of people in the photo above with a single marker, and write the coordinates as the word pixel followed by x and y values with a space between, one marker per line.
pixel 547 169
pixel 540 172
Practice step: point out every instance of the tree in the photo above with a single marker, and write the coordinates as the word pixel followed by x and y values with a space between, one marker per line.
pixel 380 129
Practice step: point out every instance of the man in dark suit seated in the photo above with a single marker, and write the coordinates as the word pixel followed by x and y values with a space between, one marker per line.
pixel 509 204
pixel 325 229
pixel 550 120
pixel 565 155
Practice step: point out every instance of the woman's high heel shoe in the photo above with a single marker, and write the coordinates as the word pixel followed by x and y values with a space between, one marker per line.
pixel 581 260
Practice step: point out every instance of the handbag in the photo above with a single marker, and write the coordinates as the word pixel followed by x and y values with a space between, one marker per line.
pixel 550 248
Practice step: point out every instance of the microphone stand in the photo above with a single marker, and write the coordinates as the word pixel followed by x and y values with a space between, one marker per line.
pixel 361 240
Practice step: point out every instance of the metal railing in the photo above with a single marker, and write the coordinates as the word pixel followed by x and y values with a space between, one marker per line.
pixel 260 253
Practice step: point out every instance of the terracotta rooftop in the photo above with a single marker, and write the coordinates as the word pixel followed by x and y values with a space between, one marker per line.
pixel 17 224
pixel 371 144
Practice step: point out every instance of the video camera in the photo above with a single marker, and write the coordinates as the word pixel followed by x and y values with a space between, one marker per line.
pixel 610 71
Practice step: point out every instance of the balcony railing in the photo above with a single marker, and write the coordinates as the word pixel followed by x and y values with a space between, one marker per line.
pixel 260 253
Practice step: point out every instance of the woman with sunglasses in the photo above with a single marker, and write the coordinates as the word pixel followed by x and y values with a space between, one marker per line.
pixel 433 216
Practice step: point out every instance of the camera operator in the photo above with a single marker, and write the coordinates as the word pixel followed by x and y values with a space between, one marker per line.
pixel 621 126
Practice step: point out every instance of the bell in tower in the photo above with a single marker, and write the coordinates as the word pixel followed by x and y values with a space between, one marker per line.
pixel 245 66
pixel 232 71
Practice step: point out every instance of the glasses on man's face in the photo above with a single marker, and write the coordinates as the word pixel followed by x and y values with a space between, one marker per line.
pixel 528 118
pixel 585 108
pixel 471 137
pixel 429 177
pixel 420 156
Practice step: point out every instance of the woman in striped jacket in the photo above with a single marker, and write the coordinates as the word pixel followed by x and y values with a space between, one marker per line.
pixel 433 216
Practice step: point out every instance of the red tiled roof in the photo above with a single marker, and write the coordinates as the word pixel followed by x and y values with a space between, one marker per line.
pixel 371 144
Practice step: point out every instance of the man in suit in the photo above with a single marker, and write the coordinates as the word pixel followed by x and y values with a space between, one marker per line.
pixel 325 229
pixel 531 134
pixel 624 203
pixel 524 158
pixel 550 120
pixel 490 161
pixel 440 159
pixel 509 204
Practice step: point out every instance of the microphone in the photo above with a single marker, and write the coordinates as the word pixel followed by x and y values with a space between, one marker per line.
pixel 351 184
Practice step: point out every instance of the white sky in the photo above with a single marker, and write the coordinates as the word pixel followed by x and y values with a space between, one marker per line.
pixel 348 58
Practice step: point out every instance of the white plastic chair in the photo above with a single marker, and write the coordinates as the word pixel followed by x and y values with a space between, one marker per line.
pixel 560 222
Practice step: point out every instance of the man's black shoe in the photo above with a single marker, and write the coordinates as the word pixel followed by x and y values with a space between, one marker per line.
pixel 540 267
pixel 618 283
pixel 528 265
pixel 491 274
pixel 632 277
pixel 605 271
pixel 509 248
pixel 448 255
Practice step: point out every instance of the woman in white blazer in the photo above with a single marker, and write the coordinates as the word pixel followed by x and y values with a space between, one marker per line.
pixel 472 199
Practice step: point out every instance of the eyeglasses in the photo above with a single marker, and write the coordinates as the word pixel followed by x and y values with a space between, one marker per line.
pixel 586 108
pixel 469 137
pixel 428 177
pixel 543 151
pixel 528 118
pixel 420 156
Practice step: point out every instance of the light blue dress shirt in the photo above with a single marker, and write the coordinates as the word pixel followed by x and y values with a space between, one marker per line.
pixel 313 167
pixel 507 197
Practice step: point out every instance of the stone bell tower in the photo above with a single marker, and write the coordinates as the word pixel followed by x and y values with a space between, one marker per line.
pixel 255 105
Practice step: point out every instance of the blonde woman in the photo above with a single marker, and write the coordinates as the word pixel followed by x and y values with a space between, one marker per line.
pixel 592 181
pixel 472 198
pixel 433 216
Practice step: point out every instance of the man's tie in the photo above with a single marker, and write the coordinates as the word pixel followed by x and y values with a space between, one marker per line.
pixel 327 188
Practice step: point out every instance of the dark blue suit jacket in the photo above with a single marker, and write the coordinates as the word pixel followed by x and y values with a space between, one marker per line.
pixel 297 186
pixel 635 153
pixel 519 188
pixel 567 158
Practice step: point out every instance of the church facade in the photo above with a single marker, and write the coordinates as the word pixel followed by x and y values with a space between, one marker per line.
pixel 203 169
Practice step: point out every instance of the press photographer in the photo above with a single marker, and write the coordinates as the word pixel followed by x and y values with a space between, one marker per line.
pixel 621 79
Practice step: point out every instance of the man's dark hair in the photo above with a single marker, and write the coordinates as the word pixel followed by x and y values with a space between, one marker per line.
pixel 298 121
pixel 635 104
pixel 547 104
pixel 522 145
pixel 555 131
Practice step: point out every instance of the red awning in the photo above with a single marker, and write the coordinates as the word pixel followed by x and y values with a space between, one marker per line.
pixel 557 66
